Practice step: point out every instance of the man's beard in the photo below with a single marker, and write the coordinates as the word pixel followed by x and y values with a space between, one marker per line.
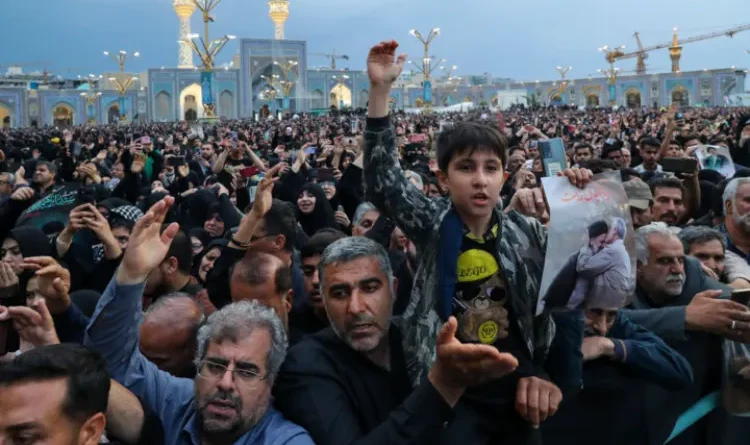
pixel 743 221
pixel 672 286
pixel 229 429
pixel 360 344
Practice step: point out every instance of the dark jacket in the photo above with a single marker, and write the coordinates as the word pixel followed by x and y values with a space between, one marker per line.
pixel 341 398
pixel 704 353
pixel 613 387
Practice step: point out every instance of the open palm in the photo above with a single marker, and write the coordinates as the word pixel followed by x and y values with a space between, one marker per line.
pixel 148 245
pixel 382 67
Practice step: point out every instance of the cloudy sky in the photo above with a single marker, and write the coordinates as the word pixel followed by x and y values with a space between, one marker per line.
pixel 523 40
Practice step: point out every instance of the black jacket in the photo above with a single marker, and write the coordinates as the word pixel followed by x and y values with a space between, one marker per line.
pixel 341 398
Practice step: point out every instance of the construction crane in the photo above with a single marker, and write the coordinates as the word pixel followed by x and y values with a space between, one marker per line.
pixel 675 47
pixel 332 57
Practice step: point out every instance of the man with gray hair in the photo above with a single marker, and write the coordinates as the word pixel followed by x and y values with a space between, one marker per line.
pixel 677 301
pixel 736 225
pixel 349 383
pixel 709 246
pixel 239 352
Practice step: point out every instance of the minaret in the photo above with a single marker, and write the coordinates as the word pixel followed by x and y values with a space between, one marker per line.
pixel 278 10
pixel 675 52
pixel 184 10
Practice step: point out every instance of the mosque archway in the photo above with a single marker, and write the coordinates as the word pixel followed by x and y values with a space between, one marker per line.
pixel 191 100
pixel 680 96
pixel 63 115
pixel 341 96
pixel 163 105
pixel 633 98
pixel 5 116
pixel 316 100
pixel 592 100
pixel 419 102
pixel 113 114
pixel 467 99
pixel 556 99
pixel 226 104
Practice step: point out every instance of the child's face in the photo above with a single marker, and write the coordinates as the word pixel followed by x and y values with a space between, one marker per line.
pixel 473 181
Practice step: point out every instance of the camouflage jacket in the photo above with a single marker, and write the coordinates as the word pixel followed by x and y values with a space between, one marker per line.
pixel 521 249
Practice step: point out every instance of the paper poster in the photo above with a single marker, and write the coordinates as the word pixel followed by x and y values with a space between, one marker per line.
pixel 590 260
pixel 714 157
pixel 553 156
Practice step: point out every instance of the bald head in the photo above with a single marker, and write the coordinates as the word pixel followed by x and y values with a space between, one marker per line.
pixel 266 278
pixel 168 333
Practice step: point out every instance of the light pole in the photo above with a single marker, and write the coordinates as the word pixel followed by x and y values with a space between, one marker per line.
pixel 427 63
pixel 121 81
pixel 91 96
pixel 450 82
pixel 207 51
pixel 288 68
pixel 611 74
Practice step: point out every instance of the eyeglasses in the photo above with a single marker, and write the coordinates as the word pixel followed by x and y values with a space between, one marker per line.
pixel 213 370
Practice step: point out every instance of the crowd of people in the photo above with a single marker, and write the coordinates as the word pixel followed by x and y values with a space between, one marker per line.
pixel 367 278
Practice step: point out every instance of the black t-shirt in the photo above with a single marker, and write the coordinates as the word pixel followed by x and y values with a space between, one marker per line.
pixel 486 314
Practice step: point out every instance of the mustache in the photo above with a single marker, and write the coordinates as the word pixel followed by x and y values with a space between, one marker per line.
pixel 359 320
pixel 225 397
pixel 675 278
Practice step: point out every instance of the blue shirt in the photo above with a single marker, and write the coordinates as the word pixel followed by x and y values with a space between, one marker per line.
pixel 114 332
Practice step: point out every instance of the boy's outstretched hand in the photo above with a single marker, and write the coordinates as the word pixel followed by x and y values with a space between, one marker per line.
pixel 382 69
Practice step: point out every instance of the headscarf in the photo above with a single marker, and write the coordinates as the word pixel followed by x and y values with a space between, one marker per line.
pixel 321 216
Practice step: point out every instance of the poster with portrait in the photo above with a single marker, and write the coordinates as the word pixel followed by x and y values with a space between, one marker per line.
pixel 590 260
pixel 715 157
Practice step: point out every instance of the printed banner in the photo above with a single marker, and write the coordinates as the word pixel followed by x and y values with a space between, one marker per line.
pixel 427 91
pixel 590 261
pixel 206 87
pixel 715 157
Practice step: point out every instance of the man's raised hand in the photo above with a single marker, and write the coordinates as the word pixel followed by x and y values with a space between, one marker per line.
pixel 461 365
pixel 382 67
pixel 148 245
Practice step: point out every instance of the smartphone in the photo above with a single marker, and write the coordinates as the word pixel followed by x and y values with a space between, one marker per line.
pixel 310 150
pixel 176 161
pixel 249 171
pixel 741 296
pixel 325 174
pixel 679 165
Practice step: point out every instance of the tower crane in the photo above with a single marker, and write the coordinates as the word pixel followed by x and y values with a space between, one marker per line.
pixel 332 56
pixel 675 47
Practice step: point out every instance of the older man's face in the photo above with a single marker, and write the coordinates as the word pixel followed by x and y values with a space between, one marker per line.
pixel 663 276
pixel 231 391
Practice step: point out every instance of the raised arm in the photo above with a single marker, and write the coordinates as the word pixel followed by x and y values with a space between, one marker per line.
pixel 385 183
pixel 114 328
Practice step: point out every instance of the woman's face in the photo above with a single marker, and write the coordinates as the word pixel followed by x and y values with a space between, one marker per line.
pixel 207 263
pixel 32 291
pixel 346 162
pixel 306 202
pixel 157 185
pixel 329 189
pixel 196 245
